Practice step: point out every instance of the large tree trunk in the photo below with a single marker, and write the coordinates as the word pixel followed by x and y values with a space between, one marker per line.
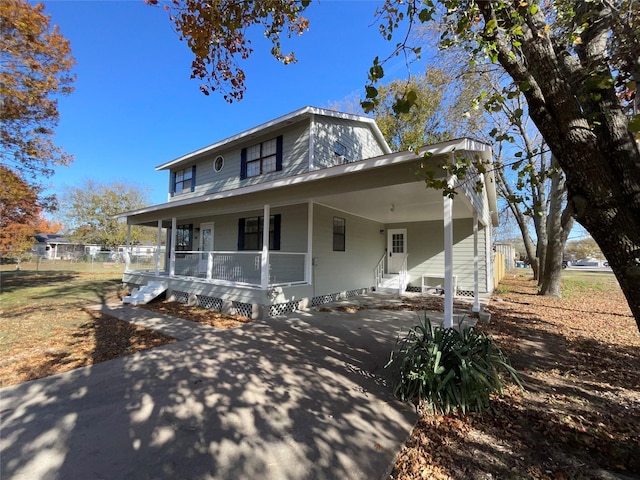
pixel 506 191
pixel 601 160
pixel 559 224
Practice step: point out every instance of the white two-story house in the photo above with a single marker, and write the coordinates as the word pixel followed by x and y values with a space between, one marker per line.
pixel 313 206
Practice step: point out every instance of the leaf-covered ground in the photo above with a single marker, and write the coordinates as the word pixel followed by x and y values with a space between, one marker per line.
pixel 47 326
pixel 579 417
pixel 196 314
pixel 579 356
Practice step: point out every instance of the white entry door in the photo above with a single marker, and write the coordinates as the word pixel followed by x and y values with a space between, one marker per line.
pixel 396 249
pixel 206 237
pixel 206 245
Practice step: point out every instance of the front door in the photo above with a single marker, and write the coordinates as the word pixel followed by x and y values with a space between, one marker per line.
pixel 396 249
pixel 206 237
pixel 206 245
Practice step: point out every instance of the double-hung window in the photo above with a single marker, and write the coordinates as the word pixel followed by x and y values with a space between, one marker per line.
pixel 250 233
pixel 261 158
pixel 184 238
pixel 183 180
pixel 339 234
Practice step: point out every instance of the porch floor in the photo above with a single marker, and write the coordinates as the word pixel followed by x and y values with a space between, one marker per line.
pixel 418 302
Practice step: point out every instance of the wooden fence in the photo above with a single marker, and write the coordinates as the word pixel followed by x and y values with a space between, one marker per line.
pixel 499 268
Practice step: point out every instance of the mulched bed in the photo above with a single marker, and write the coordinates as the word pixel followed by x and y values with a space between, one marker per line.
pixel 579 415
pixel 197 314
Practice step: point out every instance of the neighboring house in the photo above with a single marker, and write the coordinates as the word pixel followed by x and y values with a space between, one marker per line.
pixel 313 206
pixel 52 246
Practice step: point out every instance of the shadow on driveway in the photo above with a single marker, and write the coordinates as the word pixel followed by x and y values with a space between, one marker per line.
pixel 302 397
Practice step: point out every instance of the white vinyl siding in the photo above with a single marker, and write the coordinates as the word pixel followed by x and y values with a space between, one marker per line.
pixel 295 160
pixel 426 255
pixel 293 228
pixel 357 140
pixel 336 272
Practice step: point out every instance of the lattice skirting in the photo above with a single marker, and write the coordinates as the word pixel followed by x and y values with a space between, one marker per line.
pixel 181 297
pixel 243 309
pixel 333 297
pixel 322 299
pixel 459 293
pixel 283 308
pixel 465 293
pixel 211 303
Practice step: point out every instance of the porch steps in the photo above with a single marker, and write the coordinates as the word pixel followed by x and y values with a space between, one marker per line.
pixel 389 284
pixel 146 293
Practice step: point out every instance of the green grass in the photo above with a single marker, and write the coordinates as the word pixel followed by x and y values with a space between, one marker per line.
pixel 48 326
pixel 575 282
pixel 34 305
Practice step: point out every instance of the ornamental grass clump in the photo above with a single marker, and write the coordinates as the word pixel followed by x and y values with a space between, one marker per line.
pixel 447 368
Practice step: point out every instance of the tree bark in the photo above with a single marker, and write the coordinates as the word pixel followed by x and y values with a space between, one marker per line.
pixel 559 224
pixel 601 160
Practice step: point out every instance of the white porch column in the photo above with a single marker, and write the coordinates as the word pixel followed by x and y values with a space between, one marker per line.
pixel 264 279
pixel 308 276
pixel 172 253
pixel 489 258
pixel 448 259
pixel 158 245
pixel 476 291
pixel 127 250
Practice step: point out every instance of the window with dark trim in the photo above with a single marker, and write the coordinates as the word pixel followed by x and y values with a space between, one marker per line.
pixel 261 158
pixel 250 233
pixel 340 153
pixel 184 238
pixel 183 180
pixel 338 234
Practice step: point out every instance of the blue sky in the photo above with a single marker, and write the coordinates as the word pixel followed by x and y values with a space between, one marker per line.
pixel 135 107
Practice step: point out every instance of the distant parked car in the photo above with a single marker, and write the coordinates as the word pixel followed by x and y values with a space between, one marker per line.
pixel 588 262
pixel 565 263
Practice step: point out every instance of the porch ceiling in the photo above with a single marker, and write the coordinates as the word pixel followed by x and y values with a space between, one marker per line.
pixel 409 202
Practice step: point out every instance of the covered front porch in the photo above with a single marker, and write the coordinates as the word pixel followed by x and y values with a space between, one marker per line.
pixel 271 248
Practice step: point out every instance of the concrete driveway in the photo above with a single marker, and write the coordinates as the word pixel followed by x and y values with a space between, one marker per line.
pixel 301 397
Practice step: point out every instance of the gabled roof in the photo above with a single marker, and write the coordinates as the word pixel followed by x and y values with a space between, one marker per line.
pixel 288 119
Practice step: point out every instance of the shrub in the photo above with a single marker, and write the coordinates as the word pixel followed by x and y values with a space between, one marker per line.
pixel 448 368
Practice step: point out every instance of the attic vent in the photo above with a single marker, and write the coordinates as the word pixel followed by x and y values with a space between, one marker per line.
pixel 218 163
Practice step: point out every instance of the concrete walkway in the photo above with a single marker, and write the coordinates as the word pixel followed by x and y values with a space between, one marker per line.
pixel 301 397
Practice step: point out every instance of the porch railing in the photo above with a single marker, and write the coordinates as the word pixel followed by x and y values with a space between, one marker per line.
pixel 241 268
pixel 378 271
pixel 403 276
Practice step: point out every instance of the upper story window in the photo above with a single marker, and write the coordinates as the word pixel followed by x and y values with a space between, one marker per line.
pixel 340 153
pixel 261 158
pixel 183 180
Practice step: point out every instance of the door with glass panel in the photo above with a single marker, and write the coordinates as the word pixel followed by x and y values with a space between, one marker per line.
pixel 206 245
pixel 396 249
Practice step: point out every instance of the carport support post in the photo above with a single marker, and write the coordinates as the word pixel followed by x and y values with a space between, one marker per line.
pixel 476 292
pixel 158 243
pixel 172 257
pixel 448 258
pixel 264 279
